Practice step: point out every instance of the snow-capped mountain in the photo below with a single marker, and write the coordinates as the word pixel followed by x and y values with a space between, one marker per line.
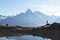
pixel 28 18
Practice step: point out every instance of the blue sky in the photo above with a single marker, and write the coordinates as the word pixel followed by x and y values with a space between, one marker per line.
pixel 13 7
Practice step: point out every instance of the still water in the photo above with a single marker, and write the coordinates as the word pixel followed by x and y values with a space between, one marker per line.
pixel 27 37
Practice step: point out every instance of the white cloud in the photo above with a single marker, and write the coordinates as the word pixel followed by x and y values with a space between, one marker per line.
pixel 51 10
pixel 46 9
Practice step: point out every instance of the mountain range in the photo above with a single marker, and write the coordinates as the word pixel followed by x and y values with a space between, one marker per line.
pixel 29 18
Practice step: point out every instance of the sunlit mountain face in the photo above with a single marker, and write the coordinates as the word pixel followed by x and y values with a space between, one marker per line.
pixel 28 19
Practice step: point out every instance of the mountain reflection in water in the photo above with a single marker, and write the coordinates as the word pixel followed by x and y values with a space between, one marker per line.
pixel 27 37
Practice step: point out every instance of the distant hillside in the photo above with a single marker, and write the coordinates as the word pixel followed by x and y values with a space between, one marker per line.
pixel 2 17
pixel 57 20
pixel 28 18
